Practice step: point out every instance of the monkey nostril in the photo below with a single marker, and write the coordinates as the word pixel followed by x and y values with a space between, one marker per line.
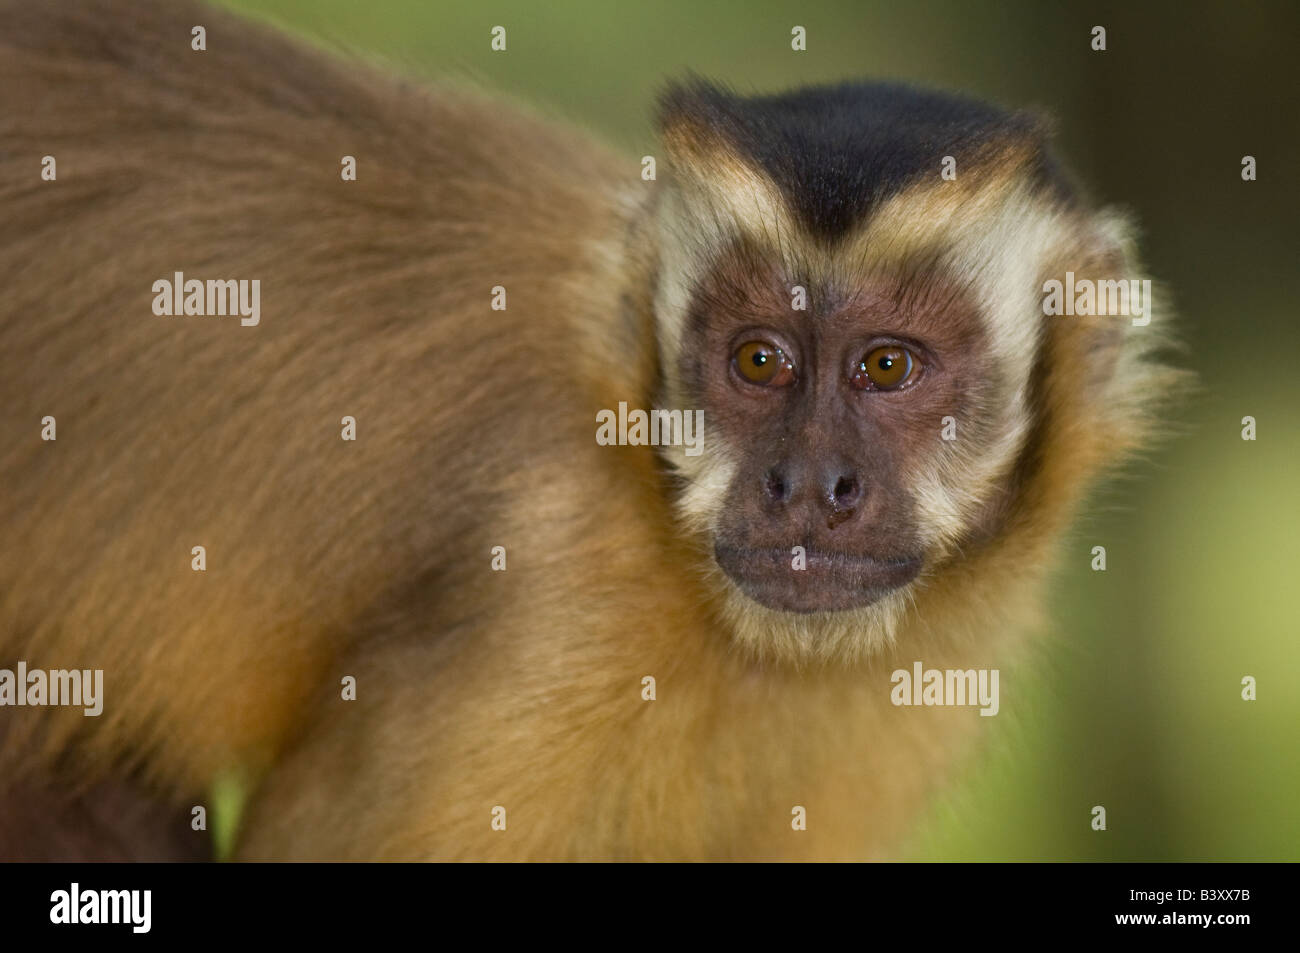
pixel 775 486
pixel 846 493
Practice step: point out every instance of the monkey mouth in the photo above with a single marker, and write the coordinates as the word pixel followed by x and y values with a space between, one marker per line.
pixel 828 582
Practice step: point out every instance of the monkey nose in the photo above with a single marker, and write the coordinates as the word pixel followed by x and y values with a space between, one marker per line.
pixel 838 489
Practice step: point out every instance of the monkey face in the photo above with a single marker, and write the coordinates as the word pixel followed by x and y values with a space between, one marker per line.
pixel 829 404
pixel 868 344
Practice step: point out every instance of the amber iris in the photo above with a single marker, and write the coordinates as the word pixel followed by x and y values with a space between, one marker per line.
pixel 885 368
pixel 761 363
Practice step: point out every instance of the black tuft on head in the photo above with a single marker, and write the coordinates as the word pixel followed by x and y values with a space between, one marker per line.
pixel 836 152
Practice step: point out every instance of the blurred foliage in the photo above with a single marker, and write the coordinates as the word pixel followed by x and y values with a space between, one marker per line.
pixel 1133 702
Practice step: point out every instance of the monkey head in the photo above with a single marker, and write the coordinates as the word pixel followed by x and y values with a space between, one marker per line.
pixel 850 287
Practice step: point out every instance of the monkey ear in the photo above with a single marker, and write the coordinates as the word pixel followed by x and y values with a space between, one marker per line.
pixel 1115 366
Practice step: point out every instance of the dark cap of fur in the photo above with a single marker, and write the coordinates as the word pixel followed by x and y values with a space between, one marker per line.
pixel 836 152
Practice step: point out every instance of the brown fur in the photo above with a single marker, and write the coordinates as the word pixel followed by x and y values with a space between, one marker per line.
pixel 475 688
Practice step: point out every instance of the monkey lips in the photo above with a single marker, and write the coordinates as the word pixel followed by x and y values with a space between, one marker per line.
pixel 829 581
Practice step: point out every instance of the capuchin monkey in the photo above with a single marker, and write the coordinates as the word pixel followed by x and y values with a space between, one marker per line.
pixel 463 625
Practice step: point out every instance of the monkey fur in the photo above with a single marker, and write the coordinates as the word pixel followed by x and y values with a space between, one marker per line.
pixel 328 558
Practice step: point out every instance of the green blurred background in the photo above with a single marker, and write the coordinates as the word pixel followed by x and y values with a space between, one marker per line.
pixel 1134 699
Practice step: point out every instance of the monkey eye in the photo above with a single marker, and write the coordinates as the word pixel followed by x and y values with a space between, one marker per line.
pixel 764 364
pixel 886 368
